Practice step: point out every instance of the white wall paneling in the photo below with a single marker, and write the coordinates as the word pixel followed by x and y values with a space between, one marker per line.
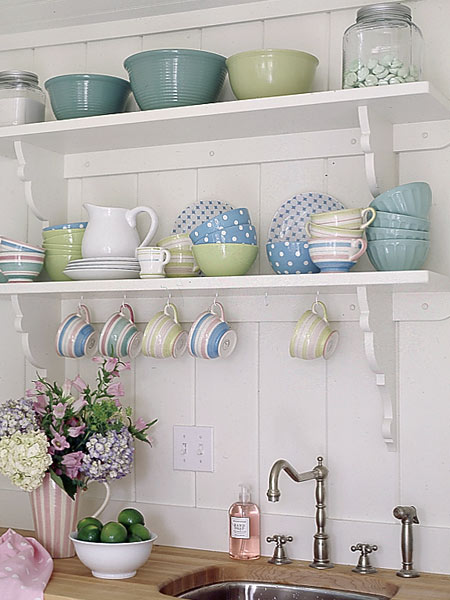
pixel 262 404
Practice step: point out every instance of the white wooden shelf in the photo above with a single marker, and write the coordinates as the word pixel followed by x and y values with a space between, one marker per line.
pixel 389 281
pixel 318 111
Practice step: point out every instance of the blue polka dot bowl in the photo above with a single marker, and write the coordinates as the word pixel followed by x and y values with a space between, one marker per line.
pixel 238 234
pixel 230 218
pixel 290 258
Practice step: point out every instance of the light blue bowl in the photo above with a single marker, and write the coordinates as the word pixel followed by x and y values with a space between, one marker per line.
pixel 238 234
pixel 77 225
pixel 289 258
pixel 398 221
pixel 386 233
pixel 87 95
pixel 230 218
pixel 413 199
pixel 175 77
pixel 397 255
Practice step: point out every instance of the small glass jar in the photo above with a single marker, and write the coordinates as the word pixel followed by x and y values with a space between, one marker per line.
pixel 21 98
pixel 383 47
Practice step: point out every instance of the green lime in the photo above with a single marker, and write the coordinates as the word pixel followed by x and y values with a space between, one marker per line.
pixel 134 538
pixel 89 533
pixel 113 533
pixel 130 516
pixel 89 521
pixel 140 531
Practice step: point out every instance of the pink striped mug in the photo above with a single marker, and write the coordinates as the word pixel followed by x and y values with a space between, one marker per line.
pixel 313 336
pixel 210 335
pixel 76 337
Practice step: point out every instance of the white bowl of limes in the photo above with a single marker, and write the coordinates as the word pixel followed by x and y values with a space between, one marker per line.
pixel 116 549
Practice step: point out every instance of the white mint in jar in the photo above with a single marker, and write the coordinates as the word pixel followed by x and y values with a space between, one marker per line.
pixel 21 98
pixel 383 47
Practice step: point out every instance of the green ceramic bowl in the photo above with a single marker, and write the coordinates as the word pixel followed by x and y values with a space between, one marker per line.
pixel 56 263
pixel 271 72
pixel 63 237
pixel 175 77
pixel 87 95
pixel 398 255
pixel 218 260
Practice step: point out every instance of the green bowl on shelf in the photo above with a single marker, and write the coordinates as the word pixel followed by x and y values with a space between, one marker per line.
pixel 219 260
pixel 55 264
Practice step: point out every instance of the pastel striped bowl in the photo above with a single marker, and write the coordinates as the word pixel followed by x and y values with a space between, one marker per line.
pixel 175 77
pixel 21 266
pixel 87 95
pixel 14 245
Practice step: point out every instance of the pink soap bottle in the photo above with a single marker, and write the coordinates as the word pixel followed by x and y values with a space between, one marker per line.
pixel 244 527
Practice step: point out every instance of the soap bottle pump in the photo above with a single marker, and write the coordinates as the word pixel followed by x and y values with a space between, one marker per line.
pixel 244 523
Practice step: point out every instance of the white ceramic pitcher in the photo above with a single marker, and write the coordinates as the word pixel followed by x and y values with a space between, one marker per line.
pixel 112 231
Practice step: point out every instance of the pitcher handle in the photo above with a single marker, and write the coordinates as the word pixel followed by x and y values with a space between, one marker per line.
pixel 102 507
pixel 131 219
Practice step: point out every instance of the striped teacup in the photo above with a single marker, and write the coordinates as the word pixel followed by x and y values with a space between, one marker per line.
pixel 120 337
pixel 313 336
pixel 210 335
pixel 76 337
pixel 164 336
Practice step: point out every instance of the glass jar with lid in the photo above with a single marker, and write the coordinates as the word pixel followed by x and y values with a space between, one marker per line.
pixel 21 98
pixel 383 47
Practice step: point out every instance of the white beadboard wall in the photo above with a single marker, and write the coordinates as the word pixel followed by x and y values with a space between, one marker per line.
pixel 262 404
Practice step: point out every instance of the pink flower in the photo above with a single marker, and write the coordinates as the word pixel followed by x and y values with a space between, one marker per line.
pixel 98 359
pixel 40 387
pixel 59 442
pixel 110 364
pixel 79 384
pixel 124 366
pixel 67 387
pixel 40 404
pixel 30 393
pixel 117 402
pixel 140 424
pixel 115 389
pixel 72 463
pixel 76 430
pixel 78 404
pixel 59 411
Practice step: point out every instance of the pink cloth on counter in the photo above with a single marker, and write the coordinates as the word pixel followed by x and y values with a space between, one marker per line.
pixel 25 567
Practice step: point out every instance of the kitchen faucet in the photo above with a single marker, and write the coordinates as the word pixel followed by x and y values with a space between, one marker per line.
pixel 319 473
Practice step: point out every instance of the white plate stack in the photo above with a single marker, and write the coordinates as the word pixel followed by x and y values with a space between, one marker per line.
pixel 104 267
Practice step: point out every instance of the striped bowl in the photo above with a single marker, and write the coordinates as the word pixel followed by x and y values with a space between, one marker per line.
pixel 175 77
pixel 14 245
pixel 87 95
pixel 21 266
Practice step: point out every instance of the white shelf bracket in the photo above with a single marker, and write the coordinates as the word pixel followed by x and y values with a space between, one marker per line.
pixel 377 324
pixel 42 172
pixel 377 143
pixel 37 322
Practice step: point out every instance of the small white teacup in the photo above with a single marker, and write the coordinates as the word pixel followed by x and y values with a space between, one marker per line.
pixel 313 336
pixel 152 261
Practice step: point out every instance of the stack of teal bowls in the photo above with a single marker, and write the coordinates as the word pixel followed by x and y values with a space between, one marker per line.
pixel 62 243
pixel 399 237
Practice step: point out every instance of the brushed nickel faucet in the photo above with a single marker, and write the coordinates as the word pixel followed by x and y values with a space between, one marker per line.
pixel 408 516
pixel 319 473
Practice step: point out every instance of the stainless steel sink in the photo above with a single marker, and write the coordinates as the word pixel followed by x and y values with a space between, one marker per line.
pixel 252 590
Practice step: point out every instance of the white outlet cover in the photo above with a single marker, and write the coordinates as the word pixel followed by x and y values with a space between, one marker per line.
pixel 193 448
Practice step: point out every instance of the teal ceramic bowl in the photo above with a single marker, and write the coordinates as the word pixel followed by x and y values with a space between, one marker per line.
pixel 397 255
pixel 87 95
pixel 413 199
pixel 398 221
pixel 386 233
pixel 175 77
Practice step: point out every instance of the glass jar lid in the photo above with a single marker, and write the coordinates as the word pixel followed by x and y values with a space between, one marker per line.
pixel 384 10
pixel 16 76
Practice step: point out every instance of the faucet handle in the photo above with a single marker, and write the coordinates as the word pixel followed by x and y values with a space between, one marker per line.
pixel 364 567
pixel 279 554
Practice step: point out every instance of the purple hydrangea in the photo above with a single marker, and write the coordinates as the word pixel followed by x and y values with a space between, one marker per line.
pixel 108 456
pixel 17 416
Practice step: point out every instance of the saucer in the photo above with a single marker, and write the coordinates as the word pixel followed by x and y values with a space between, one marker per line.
pixel 196 214
pixel 288 223
pixel 87 273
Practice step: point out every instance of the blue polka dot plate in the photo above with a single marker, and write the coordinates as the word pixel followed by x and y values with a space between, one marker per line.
pixel 195 214
pixel 288 223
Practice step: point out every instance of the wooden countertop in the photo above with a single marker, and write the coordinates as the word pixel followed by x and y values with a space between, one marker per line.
pixel 173 570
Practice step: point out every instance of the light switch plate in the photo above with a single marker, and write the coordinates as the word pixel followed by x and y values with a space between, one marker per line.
pixel 192 448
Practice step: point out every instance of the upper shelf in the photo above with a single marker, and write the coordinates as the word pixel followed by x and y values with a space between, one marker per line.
pixel 318 111
pixel 248 285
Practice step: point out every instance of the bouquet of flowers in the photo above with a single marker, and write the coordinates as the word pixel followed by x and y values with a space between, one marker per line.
pixel 74 432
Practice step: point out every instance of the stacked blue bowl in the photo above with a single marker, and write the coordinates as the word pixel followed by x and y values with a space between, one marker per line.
pixel 399 238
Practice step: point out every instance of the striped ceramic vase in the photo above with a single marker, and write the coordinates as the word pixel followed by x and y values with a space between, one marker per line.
pixel 55 515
